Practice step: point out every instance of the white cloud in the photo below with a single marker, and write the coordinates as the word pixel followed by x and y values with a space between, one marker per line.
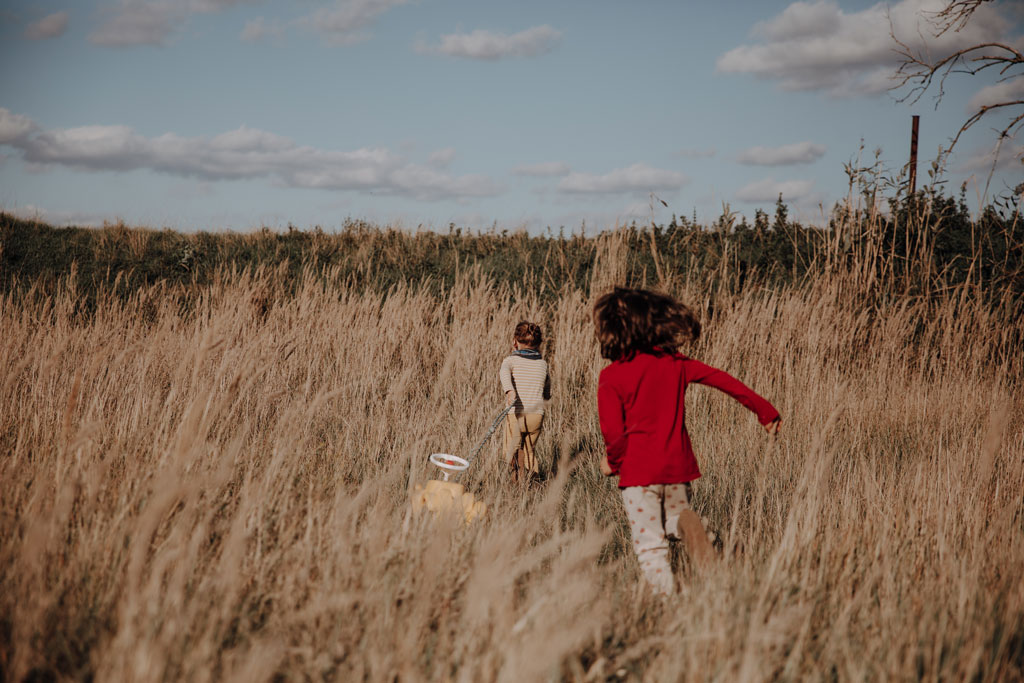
pixel 210 6
pixel 50 26
pixel 95 147
pixel 1007 91
pixel 14 127
pixel 259 30
pixel 481 44
pixel 797 153
pixel 547 168
pixel 442 157
pixel 137 23
pixel 768 190
pixel 817 46
pixel 155 22
pixel 244 153
pixel 1011 157
pixel 31 212
pixel 635 178
pixel 344 22
pixel 707 153
pixel 801 20
pixel 151 22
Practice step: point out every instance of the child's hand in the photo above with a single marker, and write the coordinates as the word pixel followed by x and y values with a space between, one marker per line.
pixel 510 397
pixel 606 469
pixel 774 426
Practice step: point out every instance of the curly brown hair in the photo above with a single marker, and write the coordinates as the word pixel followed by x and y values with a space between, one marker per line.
pixel 630 321
pixel 528 334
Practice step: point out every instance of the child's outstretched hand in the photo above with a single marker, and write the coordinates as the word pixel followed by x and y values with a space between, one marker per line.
pixel 774 426
pixel 606 469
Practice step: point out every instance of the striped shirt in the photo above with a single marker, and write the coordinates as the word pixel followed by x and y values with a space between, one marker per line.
pixel 528 377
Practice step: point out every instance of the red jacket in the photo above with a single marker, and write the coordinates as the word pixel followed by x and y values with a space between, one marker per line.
pixel 641 405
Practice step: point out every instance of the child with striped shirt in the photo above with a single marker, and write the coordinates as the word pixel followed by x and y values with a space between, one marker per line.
pixel 527 386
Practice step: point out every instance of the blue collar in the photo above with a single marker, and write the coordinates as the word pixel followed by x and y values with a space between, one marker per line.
pixel 532 354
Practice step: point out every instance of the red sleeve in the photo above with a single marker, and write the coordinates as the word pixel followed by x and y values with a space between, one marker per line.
pixel 723 381
pixel 613 425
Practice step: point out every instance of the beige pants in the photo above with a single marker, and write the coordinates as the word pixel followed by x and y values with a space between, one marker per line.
pixel 653 513
pixel 520 442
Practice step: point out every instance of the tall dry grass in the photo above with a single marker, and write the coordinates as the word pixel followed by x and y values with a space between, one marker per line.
pixel 222 493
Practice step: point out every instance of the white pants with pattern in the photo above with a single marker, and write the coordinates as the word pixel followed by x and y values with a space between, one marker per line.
pixel 653 513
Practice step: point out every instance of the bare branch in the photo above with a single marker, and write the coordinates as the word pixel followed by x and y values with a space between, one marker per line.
pixel 978 115
pixel 919 73
pixel 914 67
pixel 955 15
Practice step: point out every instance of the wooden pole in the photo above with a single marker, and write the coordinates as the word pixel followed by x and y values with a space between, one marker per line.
pixel 913 153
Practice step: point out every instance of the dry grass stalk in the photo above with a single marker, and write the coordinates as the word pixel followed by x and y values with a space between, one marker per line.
pixel 223 495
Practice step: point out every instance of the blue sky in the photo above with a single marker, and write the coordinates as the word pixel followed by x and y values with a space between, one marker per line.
pixel 235 114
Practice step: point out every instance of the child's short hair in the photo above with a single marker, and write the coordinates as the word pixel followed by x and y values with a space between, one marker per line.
pixel 529 334
pixel 629 321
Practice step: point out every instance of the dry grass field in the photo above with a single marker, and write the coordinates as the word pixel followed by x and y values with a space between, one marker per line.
pixel 222 492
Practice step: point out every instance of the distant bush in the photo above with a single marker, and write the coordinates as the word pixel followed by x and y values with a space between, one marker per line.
pixel 922 243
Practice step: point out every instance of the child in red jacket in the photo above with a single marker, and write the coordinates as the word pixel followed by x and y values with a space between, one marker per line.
pixel 640 400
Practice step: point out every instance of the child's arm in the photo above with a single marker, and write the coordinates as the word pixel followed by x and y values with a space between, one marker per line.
pixel 613 428
pixel 505 376
pixel 766 413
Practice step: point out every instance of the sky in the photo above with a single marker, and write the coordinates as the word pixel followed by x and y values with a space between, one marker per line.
pixel 576 115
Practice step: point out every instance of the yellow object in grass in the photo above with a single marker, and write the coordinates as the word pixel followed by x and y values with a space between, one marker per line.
pixel 441 497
